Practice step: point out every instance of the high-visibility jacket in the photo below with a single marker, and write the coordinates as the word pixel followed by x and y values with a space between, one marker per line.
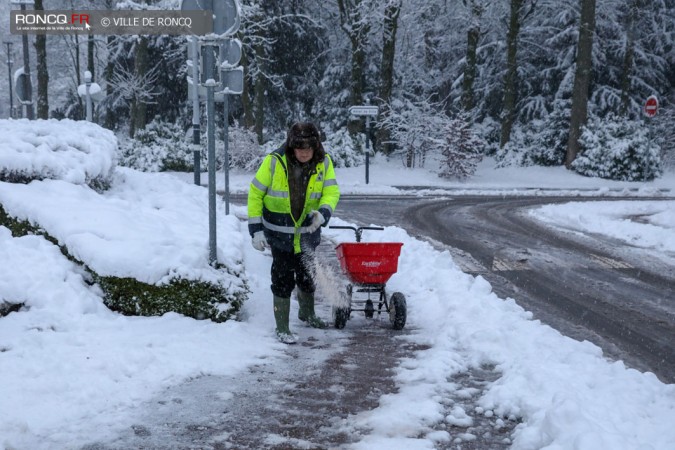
pixel 269 203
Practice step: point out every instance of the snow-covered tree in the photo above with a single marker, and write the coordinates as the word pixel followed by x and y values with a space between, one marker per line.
pixel 421 129
pixel 619 149
pixel 462 152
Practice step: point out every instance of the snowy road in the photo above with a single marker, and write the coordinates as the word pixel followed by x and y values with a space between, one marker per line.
pixel 585 286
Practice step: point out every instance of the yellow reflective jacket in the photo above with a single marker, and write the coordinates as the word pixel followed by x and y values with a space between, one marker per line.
pixel 269 203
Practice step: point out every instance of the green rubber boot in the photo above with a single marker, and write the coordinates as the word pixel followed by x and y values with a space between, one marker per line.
pixel 306 311
pixel 282 310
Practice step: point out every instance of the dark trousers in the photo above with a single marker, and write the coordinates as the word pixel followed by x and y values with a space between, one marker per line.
pixel 289 269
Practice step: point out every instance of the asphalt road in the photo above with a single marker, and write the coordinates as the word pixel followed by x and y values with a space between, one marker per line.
pixel 587 287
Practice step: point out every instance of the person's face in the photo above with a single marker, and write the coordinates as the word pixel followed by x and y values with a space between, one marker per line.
pixel 304 154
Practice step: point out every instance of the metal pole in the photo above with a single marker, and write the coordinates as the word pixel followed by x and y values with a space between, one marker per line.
pixel 209 64
pixel 367 150
pixel 26 70
pixel 87 82
pixel 226 164
pixel 9 71
pixel 194 45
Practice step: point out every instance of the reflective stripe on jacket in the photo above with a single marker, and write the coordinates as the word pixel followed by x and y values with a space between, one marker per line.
pixel 269 203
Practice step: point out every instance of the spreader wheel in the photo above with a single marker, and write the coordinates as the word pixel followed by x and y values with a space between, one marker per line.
pixel 340 315
pixel 397 311
pixel 369 309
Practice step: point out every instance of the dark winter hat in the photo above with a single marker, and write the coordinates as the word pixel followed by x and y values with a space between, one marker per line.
pixel 305 135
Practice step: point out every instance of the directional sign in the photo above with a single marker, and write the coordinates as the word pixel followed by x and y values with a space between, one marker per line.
pixel 651 106
pixel 363 110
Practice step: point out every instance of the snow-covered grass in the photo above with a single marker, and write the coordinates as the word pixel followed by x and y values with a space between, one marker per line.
pixel 71 370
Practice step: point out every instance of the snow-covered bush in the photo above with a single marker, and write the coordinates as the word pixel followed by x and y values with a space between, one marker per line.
pixel 345 150
pixel 143 241
pixel 664 130
pixel 164 146
pixel 421 129
pixel 539 142
pixel 77 152
pixel 243 148
pixel 618 149
pixel 161 146
pixel 463 152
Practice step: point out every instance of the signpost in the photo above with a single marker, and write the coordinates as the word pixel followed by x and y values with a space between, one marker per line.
pixel 216 58
pixel 9 70
pixel 26 89
pixel 650 110
pixel 651 107
pixel 368 111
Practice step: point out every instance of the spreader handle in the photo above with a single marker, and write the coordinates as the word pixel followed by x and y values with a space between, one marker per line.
pixel 357 230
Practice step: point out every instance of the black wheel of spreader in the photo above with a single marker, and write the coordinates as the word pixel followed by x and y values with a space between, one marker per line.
pixel 369 309
pixel 398 311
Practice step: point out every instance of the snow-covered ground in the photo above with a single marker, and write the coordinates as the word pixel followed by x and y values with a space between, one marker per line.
pixel 71 370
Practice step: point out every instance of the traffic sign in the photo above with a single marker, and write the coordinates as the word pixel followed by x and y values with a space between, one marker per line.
pixel 226 13
pixel 23 87
pixel 363 110
pixel 651 106
pixel 230 53
pixel 232 80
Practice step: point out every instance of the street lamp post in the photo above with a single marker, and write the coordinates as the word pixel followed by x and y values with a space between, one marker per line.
pixel 87 82
pixel 9 70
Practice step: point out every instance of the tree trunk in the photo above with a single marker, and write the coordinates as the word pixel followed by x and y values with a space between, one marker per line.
pixel 139 108
pixel 78 74
pixel 246 105
pixel 510 88
pixel 110 121
pixel 352 22
pixel 470 70
pixel 259 93
pixel 90 56
pixel 628 59
pixel 472 37
pixel 357 78
pixel 42 71
pixel 391 14
pixel 582 78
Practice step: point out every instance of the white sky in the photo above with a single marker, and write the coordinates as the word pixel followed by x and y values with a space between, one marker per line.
pixel 71 371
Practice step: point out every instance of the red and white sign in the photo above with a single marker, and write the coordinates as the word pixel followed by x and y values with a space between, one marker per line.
pixel 651 106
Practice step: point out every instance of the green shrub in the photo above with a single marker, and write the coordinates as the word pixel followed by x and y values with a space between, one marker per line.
pixel 196 299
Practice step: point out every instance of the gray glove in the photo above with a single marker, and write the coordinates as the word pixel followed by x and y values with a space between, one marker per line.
pixel 259 241
pixel 317 220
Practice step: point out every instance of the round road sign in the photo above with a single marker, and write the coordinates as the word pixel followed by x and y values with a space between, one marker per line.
pixel 651 106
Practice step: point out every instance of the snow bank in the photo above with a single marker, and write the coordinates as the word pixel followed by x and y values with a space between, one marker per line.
pixel 567 395
pixel 151 227
pixel 76 152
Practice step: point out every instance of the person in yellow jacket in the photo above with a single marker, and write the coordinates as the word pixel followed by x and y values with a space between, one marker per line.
pixel 293 194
